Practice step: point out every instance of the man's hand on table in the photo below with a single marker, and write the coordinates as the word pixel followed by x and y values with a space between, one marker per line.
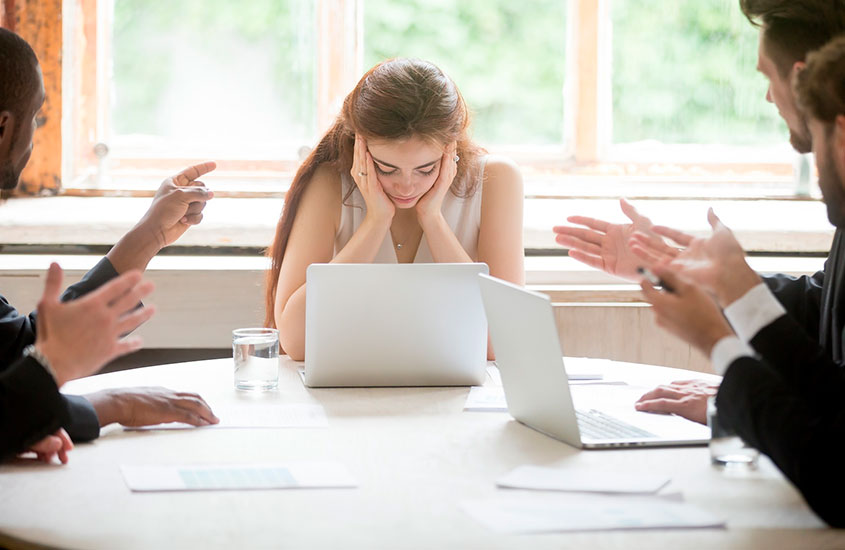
pixel 147 406
pixel 687 398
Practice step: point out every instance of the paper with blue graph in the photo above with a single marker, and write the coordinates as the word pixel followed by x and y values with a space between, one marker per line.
pixel 216 477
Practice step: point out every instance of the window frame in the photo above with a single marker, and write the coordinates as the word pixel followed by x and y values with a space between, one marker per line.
pixel 586 148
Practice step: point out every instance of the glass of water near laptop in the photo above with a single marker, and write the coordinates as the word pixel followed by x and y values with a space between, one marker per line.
pixel 726 447
pixel 256 357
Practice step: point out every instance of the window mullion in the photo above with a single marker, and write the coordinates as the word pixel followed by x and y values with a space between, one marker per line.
pixel 589 31
pixel 339 55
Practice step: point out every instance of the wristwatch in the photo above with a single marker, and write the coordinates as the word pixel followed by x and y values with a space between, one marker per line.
pixel 35 353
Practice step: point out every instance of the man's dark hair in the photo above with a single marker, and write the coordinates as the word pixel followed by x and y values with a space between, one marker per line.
pixel 820 87
pixel 794 28
pixel 18 77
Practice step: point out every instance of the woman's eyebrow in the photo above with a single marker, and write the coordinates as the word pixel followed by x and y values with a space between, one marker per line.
pixel 392 166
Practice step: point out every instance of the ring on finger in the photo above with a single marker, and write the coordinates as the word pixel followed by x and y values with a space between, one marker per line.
pixel 362 174
pixel 456 158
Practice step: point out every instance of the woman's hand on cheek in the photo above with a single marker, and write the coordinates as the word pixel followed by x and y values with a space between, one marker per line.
pixel 363 172
pixel 430 204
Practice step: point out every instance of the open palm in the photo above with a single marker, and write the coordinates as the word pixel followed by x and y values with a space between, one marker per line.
pixel 604 245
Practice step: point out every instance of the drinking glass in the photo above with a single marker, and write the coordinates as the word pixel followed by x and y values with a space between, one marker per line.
pixel 726 447
pixel 256 355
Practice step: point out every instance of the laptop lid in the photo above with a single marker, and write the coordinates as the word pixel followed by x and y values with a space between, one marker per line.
pixel 528 353
pixel 394 325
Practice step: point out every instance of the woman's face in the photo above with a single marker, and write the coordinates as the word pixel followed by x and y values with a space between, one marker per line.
pixel 406 168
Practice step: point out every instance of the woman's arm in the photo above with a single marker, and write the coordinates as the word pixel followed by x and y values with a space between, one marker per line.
pixel 500 235
pixel 311 241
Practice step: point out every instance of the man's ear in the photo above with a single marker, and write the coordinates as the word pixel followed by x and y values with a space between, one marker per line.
pixel 7 125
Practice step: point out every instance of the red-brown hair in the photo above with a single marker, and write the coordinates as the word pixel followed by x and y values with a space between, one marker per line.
pixel 394 100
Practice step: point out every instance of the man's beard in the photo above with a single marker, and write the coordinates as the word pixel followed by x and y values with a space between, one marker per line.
pixel 8 180
pixel 833 189
pixel 803 142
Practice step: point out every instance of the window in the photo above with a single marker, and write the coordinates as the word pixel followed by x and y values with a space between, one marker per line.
pixel 578 89
pixel 241 85
pixel 688 75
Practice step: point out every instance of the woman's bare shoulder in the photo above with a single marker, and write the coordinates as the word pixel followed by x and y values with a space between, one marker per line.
pixel 502 174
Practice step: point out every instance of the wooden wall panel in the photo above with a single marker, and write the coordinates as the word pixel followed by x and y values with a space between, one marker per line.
pixel 39 22
pixel 623 332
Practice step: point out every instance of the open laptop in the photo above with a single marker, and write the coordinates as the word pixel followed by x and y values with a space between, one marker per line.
pixel 528 354
pixel 394 325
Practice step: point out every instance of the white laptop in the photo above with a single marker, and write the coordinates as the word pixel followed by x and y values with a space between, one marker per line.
pixel 528 354
pixel 394 325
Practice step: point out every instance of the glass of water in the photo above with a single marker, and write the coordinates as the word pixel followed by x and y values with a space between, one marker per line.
pixel 726 447
pixel 256 354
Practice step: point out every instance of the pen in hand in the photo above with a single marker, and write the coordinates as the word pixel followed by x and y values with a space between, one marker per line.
pixel 654 279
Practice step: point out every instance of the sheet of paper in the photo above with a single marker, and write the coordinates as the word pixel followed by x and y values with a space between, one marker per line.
pixel 556 513
pixel 486 399
pixel 259 415
pixel 209 477
pixel 572 374
pixel 579 480
pixel 493 374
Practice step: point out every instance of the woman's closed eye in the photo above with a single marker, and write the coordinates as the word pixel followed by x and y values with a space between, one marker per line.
pixel 428 172
pixel 385 172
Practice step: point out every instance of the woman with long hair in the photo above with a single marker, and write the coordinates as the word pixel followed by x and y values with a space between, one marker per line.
pixel 395 179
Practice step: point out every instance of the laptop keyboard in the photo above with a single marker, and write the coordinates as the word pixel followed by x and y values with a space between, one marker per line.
pixel 598 425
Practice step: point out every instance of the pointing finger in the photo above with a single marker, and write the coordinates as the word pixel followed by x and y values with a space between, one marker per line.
pixel 191 173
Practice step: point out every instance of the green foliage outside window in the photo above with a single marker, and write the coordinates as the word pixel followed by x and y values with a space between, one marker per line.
pixel 684 72
pixel 506 57
pixel 272 39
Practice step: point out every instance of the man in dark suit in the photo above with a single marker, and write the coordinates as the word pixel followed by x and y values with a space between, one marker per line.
pixel 789 30
pixel 177 205
pixel 782 391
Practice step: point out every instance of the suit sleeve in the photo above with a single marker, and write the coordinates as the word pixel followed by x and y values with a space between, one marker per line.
pixel 31 407
pixel 801 297
pixel 788 424
pixel 801 362
pixel 18 331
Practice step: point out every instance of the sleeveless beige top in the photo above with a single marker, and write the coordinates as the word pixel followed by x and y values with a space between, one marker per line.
pixel 462 214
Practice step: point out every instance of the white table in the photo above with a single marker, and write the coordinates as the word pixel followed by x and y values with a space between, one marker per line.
pixel 415 454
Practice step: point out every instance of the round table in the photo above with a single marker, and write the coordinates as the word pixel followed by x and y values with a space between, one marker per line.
pixel 414 452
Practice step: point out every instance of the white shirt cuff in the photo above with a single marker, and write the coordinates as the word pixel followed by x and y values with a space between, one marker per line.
pixel 754 310
pixel 726 351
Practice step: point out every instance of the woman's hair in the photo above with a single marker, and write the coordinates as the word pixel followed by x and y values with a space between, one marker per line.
pixel 395 100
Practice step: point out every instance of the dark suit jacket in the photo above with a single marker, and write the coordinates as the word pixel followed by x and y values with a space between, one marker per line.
pixel 789 405
pixel 30 405
pixel 817 302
